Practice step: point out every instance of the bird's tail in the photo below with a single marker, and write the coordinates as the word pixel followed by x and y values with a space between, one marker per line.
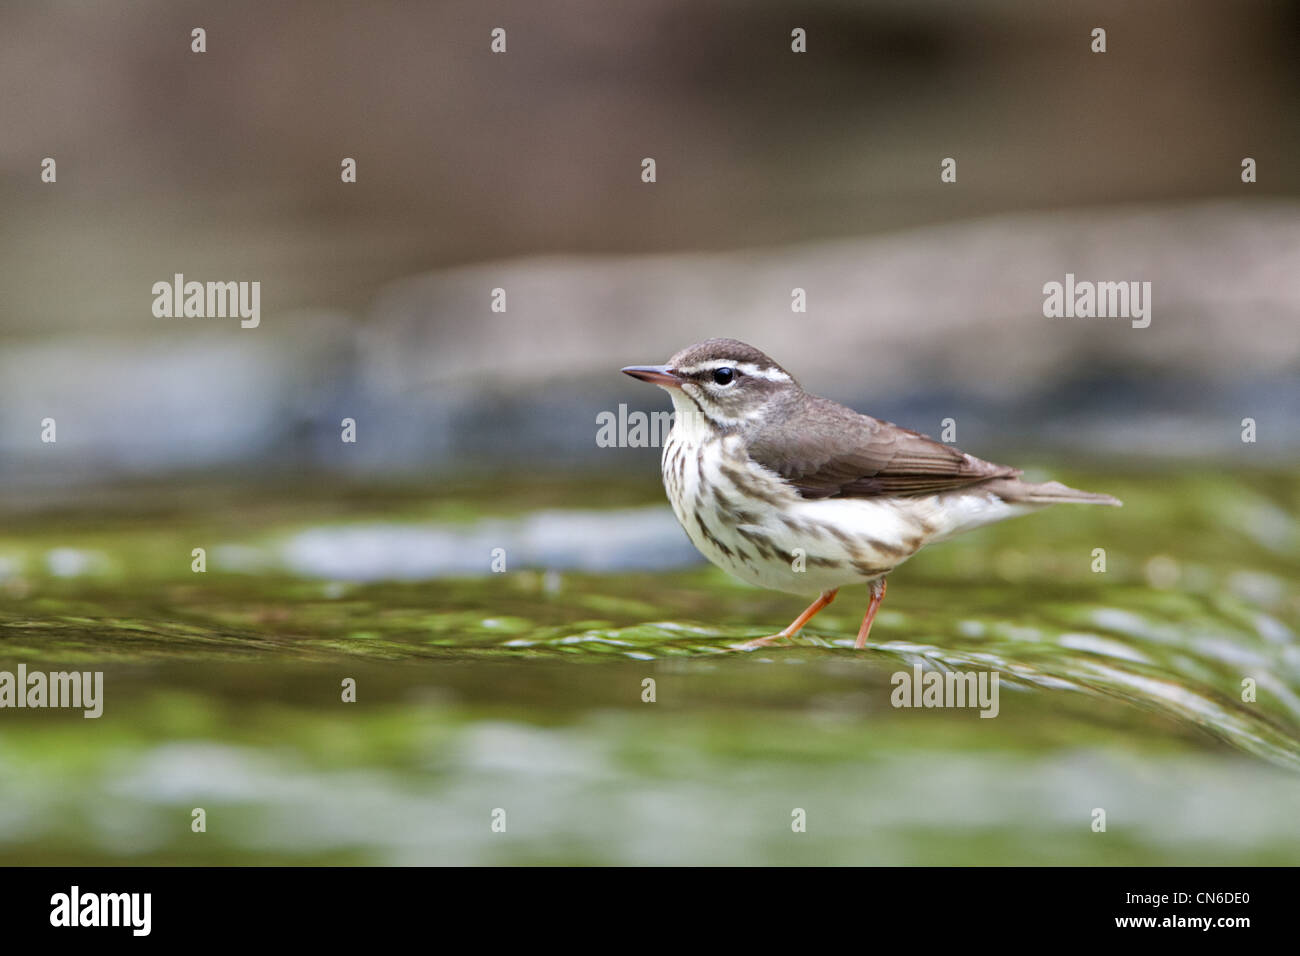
pixel 1015 491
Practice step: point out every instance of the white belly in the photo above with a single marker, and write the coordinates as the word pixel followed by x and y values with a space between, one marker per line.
pixel 803 546
pixel 786 544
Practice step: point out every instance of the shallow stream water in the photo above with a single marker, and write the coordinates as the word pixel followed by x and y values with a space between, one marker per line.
pixel 478 692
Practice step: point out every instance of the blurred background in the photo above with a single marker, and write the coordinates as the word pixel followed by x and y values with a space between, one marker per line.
pixel 522 172
pixel 477 429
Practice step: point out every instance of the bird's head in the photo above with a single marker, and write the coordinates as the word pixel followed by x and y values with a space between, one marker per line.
pixel 726 382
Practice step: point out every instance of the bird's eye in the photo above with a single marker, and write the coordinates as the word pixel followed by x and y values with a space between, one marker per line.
pixel 723 376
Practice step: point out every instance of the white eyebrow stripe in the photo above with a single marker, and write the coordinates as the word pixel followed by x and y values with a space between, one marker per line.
pixel 771 374
pixel 745 368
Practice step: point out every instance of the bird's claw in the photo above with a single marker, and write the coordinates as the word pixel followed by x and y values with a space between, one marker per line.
pixel 760 642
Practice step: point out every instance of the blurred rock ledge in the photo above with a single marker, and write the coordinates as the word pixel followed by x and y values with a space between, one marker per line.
pixel 915 326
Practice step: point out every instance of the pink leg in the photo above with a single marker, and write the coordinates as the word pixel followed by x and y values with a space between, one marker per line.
pixel 797 625
pixel 877 595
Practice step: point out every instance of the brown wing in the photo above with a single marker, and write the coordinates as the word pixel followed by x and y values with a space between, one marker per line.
pixel 828 451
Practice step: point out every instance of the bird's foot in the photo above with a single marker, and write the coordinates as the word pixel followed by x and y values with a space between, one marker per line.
pixel 795 626
pixel 761 641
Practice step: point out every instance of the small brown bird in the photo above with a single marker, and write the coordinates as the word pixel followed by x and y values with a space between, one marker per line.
pixel 793 492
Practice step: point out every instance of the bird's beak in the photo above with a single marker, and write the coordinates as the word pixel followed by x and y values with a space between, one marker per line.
pixel 655 375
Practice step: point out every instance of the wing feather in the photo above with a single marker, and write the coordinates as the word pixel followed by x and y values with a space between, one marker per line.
pixel 828 451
